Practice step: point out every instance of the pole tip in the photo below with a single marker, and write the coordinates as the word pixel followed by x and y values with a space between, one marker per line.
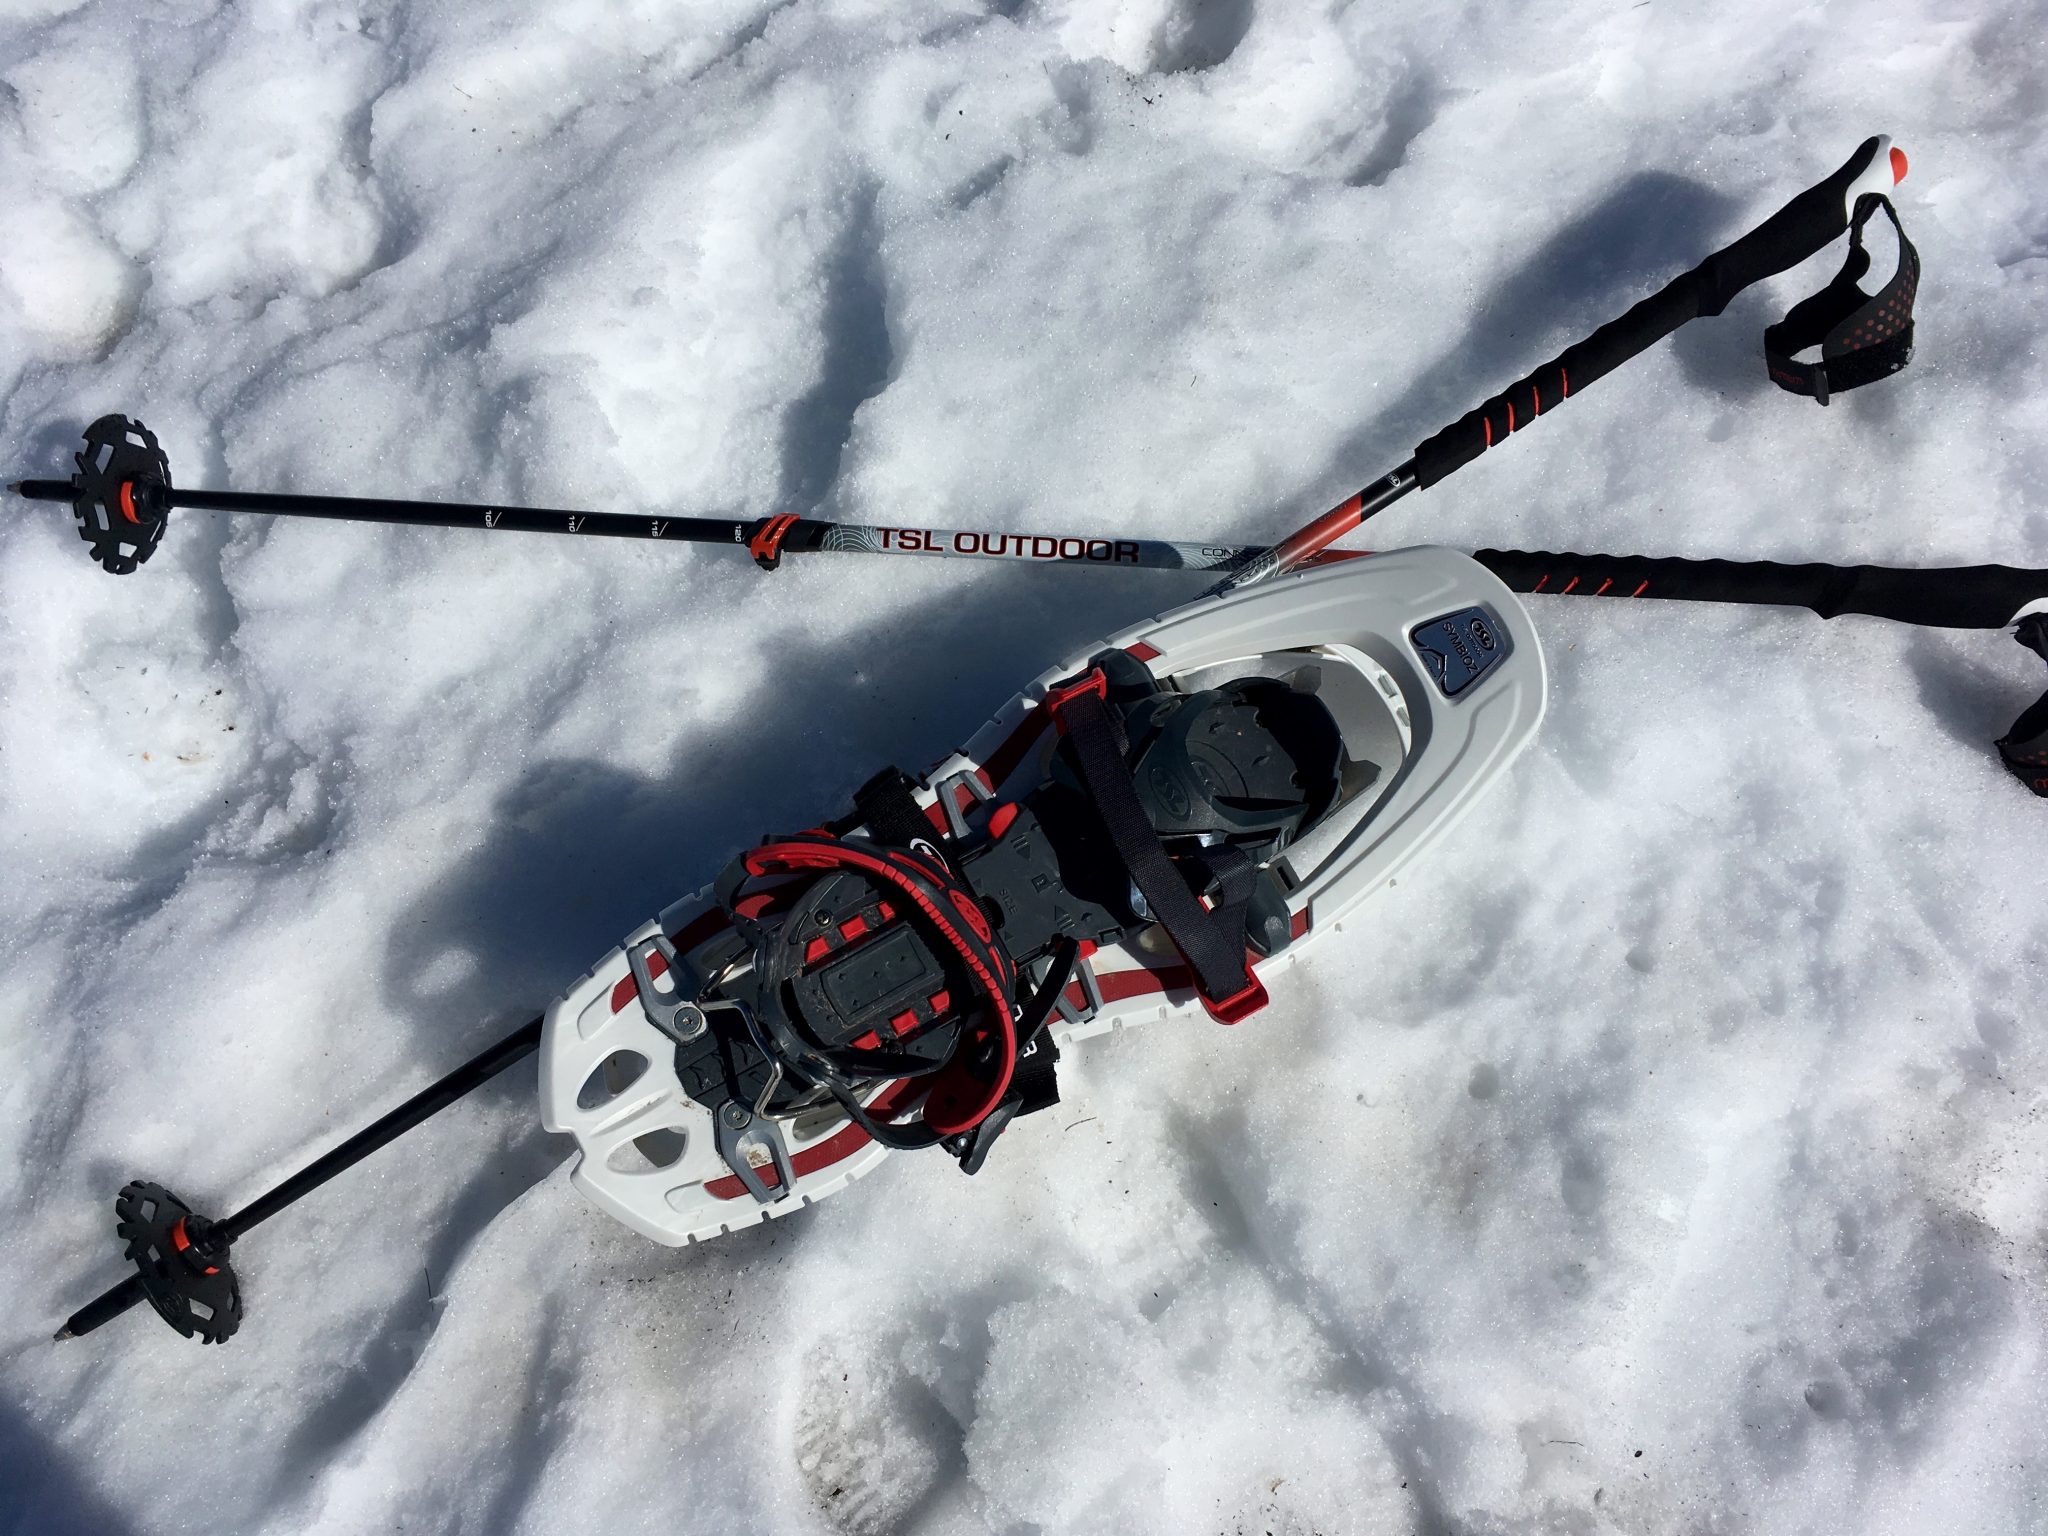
pixel 62 1334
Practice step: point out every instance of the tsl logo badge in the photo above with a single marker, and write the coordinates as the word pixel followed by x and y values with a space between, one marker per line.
pixel 1459 648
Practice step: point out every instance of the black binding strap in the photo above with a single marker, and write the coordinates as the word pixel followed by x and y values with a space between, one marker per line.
pixel 887 806
pixel 2025 746
pixel 1212 941
pixel 974 1078
pixel 1034 1084
pixel 1862 337
pixel 1035 1015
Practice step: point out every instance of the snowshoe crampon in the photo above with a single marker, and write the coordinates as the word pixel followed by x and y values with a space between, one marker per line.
pixel 1154 828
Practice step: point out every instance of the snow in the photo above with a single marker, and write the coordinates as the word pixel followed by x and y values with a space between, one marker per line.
pixel 1670 1154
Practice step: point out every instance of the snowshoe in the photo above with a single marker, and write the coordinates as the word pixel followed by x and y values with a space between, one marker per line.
pixel 1152 829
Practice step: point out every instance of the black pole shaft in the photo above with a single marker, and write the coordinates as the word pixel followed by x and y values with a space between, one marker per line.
pixel 1951 597
pixel 104 1308
pixel 429 1101
pixel 1311 539
pixel 425 1104
pixel 443 514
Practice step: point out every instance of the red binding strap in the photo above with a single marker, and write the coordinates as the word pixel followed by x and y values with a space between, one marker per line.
pixel 959 1099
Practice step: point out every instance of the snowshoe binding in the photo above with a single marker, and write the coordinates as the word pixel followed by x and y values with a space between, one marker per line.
pixel 1154 828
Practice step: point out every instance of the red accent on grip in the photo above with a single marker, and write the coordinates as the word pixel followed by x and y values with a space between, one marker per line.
pixel 1898 165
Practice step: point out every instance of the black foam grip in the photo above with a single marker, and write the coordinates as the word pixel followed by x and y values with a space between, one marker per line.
pixel 1211 941
pixel 1950 597
pixel 1807 224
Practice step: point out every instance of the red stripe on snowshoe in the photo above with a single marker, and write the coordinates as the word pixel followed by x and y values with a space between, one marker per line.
pixel 686 938
pixel 628 989
pixel 1115 986
pixel 1014 748
pixel 837 1147
pixel 699 928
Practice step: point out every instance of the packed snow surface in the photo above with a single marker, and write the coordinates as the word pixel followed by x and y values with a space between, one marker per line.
pixel 1669 1154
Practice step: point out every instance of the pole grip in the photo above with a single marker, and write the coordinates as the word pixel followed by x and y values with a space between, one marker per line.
pixel 1808 224
pixel 1942 597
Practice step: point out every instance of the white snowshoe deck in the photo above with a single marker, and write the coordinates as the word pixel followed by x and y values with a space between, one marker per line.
pixel 1439 720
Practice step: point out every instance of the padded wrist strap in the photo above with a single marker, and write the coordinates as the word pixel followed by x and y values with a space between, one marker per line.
pixel 2025 746
pixel 1862 337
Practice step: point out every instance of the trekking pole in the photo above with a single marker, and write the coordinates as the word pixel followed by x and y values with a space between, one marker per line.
pixel 181 1257
pixel 1933 597
pixel 1951 597
pixel 1863 338
pixel 122 494
pixel 1955 597
pixel 122 497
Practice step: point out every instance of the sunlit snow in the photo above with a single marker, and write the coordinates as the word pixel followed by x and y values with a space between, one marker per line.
pixel 1668 1154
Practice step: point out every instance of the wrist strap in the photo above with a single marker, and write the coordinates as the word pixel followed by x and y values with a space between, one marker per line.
pixel 1862 337
pixel 2025 746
